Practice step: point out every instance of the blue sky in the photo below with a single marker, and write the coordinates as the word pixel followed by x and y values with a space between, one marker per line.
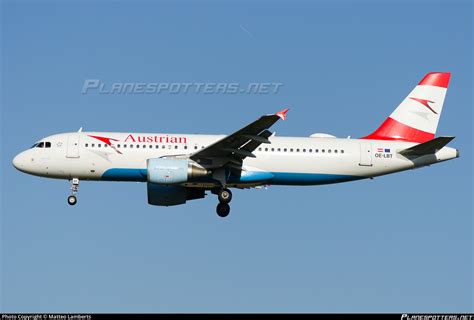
pixel 398 243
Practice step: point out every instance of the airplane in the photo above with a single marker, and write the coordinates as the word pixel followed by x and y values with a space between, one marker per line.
pixel 182 167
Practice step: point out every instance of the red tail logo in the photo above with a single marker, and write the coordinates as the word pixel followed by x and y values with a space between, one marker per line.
pixel 425 103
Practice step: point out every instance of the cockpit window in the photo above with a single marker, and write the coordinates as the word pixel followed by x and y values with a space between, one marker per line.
pixel 34 146
pixel 42 145
pixel 46 144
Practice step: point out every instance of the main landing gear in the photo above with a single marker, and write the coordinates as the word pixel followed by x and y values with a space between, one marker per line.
pixel 223 208
pixel 72 200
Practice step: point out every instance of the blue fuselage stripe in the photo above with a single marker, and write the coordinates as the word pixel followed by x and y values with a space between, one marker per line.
pixel 275 178
pixel 119 174
pixel 290 178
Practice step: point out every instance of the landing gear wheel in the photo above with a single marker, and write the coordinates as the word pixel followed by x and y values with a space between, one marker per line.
pixel 72 200
pixel 224 196
pixel 223 210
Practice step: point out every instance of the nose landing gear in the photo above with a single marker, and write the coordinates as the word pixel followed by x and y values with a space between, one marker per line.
pixel 72 200
pixel 225 196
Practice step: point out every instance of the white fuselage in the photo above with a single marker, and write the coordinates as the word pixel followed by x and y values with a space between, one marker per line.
pixel 285 161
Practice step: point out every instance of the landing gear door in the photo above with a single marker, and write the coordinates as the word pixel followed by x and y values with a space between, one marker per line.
pixel 365 154
pixel 73 145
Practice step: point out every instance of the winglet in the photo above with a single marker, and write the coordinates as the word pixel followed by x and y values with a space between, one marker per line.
pixel 282 113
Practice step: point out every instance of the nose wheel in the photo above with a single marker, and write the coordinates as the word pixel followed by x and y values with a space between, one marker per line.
pixel 225 196
pixel 72 199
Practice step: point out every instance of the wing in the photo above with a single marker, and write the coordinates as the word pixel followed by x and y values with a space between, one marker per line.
pixel 232 149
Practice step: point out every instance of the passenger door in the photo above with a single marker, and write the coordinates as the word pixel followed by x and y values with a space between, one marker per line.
pixel 73 145
pixel 365 154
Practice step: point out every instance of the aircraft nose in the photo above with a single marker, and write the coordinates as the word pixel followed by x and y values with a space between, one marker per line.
pixel 19 161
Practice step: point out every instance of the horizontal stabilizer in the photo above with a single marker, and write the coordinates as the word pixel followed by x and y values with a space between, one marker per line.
pixel 429 147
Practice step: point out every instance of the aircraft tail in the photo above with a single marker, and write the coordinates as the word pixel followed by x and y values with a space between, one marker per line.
pixel 416 118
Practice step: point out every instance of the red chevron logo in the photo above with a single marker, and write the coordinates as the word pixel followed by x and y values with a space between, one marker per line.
pixel 107 141
pixel 425 103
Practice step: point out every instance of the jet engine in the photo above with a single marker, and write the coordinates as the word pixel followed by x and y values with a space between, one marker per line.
pixel 173 171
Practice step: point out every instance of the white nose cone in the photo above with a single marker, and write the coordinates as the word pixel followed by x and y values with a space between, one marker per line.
pixel 16 162
pixel 19 162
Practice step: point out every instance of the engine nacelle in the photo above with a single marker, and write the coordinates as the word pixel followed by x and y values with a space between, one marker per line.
pixel 173 171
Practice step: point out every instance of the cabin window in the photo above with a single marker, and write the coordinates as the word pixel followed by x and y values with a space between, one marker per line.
pixel 297 150
pixel 266 149
pixel 323 151
pixel 342 151
pixel 335 151
pixel 304 150
pixel 284 150
pixel 105 145
pixel 291 149
pixel 150 146
pixel 259 149
pixel 185 147
pixel 329 150
pixel 99 145
pixel 278 149
pixel 86 145
pixel 131 146
pixel 176 147
pixel 273 149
